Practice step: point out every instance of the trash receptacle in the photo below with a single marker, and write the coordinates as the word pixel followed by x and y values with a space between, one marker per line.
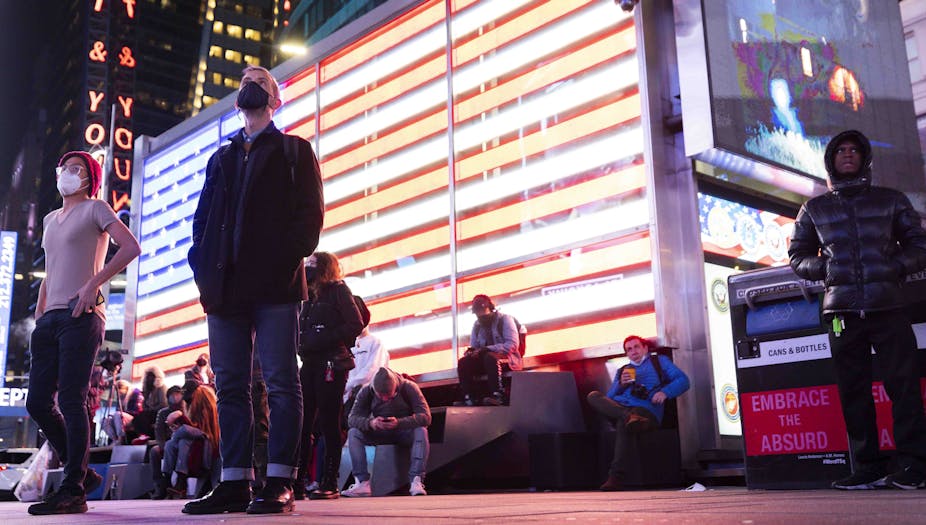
pixel 794 434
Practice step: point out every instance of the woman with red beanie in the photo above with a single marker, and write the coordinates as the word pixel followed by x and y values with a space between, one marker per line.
pixel 69 321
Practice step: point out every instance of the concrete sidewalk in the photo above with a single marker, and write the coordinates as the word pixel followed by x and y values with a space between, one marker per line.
pixel 717 506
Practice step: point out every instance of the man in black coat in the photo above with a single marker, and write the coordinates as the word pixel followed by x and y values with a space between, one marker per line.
pixel 863 241
pixel 259 215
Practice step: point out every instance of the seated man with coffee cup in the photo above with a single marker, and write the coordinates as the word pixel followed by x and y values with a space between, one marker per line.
pixel 635 401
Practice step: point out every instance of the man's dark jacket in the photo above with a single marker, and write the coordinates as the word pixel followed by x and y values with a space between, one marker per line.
pixel 251 251
pixel 861 240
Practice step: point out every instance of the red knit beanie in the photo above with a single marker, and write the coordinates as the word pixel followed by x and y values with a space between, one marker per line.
pixel 96 171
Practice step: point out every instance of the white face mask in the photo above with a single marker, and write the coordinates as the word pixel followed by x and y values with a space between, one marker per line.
pixel 69 184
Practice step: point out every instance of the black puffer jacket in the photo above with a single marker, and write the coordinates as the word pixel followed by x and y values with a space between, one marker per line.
pixel 861 240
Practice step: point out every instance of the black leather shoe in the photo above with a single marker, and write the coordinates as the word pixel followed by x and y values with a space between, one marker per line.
pixel 227 496
pixel 276 497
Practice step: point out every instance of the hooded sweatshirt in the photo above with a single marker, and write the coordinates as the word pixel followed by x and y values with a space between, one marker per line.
pixel 861 240
pixel 408 406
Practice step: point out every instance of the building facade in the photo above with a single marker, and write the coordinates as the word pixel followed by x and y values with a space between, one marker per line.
pixel 552 155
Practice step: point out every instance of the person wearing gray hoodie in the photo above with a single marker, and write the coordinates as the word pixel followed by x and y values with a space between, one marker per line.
pixel 390 410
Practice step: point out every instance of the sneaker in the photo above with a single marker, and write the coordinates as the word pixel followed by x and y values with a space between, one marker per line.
pixel 497 399
pixel 63 501
pixel 361 489
pixel 611 484
pixel 907 479
pixel 416 488
pixel 467 402
pixel 311 487
pixel 860 480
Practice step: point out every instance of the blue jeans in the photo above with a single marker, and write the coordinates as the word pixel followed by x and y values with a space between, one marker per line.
pixel 63 350
pixel 271 330
pixel 415 438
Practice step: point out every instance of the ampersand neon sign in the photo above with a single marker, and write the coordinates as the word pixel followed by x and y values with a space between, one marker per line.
pixel 125 57
pixel 98 53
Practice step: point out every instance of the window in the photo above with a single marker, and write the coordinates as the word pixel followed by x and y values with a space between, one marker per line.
pixel 251 60
pixel 215 51
pixel 234 31
pixel 233 56
pixel 218 27
pixel 208 101
pixel 913 57
pixel 252 34
pixel 217 78
pixel 230 83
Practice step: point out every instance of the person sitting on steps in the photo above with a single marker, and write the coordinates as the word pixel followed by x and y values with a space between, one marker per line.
pixel 636 400
pixel 493 341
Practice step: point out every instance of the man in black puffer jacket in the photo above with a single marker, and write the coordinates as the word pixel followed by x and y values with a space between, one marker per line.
pixel 863 241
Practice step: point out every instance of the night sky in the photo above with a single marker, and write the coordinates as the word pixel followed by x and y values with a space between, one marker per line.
pixel 20 32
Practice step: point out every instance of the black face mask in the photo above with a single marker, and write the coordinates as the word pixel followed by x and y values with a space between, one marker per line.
pixel 485 320
pixel 200 363
pixel 252 96
pixel 310 273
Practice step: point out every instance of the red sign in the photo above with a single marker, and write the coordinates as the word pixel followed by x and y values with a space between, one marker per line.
pixel 807 420
pixel 793 421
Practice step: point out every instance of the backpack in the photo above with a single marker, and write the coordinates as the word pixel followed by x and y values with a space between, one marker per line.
pixel 291 152
pixel 522 333
pixel 657 366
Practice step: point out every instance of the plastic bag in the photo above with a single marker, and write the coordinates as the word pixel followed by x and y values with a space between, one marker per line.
pixel 33 480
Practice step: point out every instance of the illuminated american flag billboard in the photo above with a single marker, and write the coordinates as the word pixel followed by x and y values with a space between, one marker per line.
pixel 467 147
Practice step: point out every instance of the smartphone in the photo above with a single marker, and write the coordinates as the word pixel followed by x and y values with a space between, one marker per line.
pixel 99 300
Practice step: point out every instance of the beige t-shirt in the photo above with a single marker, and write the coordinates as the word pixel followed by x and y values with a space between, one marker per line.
pixel 75 250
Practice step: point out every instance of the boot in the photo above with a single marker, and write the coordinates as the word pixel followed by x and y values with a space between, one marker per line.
pixel 328 488
pixel 160 487
pixel 299 488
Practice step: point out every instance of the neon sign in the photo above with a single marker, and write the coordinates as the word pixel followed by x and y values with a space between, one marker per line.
pixel 115 68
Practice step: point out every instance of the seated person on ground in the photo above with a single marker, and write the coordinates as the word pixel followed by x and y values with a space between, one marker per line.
pixel 180 454
pixel 636 400
pixel 162 433
pixel 494 340
pixel 391 410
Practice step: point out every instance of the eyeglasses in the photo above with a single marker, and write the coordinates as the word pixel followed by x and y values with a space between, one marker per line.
pixel 73 169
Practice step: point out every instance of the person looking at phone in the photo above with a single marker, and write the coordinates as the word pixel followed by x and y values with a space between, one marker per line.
pixel 391 410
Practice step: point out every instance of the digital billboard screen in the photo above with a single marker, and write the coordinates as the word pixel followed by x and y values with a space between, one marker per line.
pixel 785 76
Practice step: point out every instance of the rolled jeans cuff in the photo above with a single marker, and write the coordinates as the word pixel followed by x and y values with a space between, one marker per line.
pixel 276 470
pixel 237 474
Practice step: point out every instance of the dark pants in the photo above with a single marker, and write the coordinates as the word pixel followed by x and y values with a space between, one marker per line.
pixel 890 334
pixel 270 330
pixel 322 403
pixel 618 414
pixel 472 366
pixel 63 350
